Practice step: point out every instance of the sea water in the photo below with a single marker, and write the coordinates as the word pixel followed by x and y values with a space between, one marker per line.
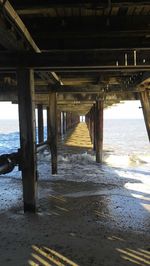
pixel 126 154
pixel 127 142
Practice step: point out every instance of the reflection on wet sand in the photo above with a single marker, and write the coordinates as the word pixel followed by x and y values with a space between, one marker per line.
pixel 79 137
pixel 45 256
pixel 139 256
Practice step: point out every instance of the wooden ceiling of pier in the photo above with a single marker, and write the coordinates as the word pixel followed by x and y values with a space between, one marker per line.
pixel 63 24
pixel 76 31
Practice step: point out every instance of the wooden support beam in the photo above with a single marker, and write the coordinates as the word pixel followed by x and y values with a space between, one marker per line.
pixel 13 16
pixel 70 60
pixel 9 38
pixel 84 94
pixel 52 138
pixel 64 123
pixel 40 123
pixel 28 8
pixel 25 79
pixel 94 128
pixel 91 126
pixel 99 130
pixel 48 122
pixel 59 122
pixel 145 102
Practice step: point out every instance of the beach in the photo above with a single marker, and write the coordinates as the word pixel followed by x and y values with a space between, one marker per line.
pixel 88 214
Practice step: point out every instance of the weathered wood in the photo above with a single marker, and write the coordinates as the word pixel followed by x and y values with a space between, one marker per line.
pixel 59 123
pixel 52 138
pixel 9 39
pixel 94 128
pixel 123 30
pixel 48 122
pixel 28 7
pixel 91 126
pixel 88 121
pixel 99 130
pixel 145 102
pixel 9 10
pixel 25 79
pixel 73 60
pixel 46 9
pixel 40 123
pixel 64 122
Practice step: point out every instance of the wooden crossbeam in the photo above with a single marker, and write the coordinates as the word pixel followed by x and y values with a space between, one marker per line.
pixel 29 9
pixel 74 92
pixel 12 14
pixel 9 40
pixel 78 60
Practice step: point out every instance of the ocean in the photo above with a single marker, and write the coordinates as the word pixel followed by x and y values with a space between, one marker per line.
pixel 126 150
pixel 127 140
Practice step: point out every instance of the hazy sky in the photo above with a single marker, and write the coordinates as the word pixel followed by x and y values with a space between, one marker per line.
pixel 124 110
pixel 129 109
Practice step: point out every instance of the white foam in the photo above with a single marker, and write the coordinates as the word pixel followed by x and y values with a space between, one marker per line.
pixel 83 168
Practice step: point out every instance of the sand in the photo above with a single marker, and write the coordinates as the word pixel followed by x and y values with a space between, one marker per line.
pixel 77 223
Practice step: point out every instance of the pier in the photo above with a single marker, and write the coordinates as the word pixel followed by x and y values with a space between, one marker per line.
pixel 72 59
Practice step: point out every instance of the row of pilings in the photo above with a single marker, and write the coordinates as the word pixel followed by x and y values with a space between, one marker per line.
pixel 65 122
pixel 94 120
pixel 55 126
pixel 58 123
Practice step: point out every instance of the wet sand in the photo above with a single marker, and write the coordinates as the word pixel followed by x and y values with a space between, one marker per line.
pixel 77 223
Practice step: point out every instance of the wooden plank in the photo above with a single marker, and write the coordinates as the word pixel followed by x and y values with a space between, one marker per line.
pixel 40 123
pixel 145 102
pixel 25 79
pixel 99 130
pixel 52 138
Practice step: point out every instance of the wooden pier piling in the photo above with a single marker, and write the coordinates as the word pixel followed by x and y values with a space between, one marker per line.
pixel 52 138
pixel 25 78
pixel 145 102
pixel 40 123
pixel 99 130
pixel 64 122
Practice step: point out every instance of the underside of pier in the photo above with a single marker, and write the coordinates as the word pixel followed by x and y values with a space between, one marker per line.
pixel 71 58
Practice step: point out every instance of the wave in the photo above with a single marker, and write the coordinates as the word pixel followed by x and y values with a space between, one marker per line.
pixel 82 168
pixel 127 160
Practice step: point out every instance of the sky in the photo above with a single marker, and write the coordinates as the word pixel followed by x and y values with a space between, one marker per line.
pixel 126 110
